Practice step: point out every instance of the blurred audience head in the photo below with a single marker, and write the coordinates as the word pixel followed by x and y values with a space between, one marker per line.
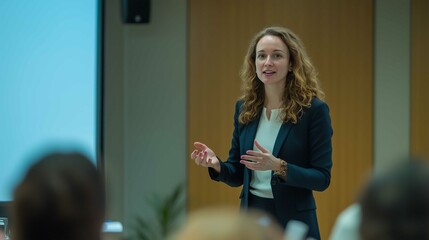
pixel 60 197
pixel 229 224
pixel 395 204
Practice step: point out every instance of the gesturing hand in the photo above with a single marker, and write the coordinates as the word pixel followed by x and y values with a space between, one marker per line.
pixel 263 160
pixel 205 157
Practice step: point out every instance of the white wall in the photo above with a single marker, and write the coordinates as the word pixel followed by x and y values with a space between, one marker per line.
pixel 391 82
pixel 114 110
pixel 145 107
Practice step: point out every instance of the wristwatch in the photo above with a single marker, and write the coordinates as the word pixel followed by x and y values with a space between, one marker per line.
pixel 283 169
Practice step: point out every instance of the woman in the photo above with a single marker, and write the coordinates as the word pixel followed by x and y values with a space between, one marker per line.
pixel 281 146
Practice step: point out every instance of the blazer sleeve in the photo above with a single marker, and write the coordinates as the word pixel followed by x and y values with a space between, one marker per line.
pixel 232 170
pixel 317 174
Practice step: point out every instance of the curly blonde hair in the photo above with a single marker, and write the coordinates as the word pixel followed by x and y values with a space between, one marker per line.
pixel 301 83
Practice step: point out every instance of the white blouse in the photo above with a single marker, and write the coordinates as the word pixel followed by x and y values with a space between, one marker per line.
pixel 266 135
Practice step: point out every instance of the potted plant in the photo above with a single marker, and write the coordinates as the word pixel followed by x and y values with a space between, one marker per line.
pixel 167 213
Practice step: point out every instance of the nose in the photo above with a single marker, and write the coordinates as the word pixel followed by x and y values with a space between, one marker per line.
pixel 268 61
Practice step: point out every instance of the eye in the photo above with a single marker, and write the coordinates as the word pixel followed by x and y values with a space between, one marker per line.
pixel 277 55
pixel 260 56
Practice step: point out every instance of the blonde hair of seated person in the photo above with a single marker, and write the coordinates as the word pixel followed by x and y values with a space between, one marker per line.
pixel 229 224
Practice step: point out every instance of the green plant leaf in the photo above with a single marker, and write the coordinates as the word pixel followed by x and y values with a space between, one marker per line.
pixel 167 210
pixel 144 230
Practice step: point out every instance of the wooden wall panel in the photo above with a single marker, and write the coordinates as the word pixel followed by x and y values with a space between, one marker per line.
pixel 339 38
pixel 420 77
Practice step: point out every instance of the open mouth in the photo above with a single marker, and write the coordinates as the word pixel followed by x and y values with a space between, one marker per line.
pixel 268 73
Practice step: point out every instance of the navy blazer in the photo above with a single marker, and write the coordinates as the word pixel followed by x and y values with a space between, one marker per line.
pixel 306 147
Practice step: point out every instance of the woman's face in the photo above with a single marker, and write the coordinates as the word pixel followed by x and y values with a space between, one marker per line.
pixel 272 60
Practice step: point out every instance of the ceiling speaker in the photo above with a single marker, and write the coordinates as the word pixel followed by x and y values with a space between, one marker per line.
pixel 135 11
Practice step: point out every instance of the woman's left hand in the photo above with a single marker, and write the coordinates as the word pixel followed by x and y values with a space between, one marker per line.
pixel 261 161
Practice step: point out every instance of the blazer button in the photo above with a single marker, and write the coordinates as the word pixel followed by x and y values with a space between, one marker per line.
pixel 273 182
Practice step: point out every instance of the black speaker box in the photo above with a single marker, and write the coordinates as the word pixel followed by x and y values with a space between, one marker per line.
pixel 135 11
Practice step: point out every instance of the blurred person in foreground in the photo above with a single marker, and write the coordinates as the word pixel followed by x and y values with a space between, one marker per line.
pixel 395 204
pixel 60 198
pixel 229 224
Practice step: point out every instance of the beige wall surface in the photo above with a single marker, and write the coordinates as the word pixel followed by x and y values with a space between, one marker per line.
pixel 420 78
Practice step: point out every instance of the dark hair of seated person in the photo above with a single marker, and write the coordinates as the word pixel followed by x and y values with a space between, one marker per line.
pixel 60 198
pixel 395 204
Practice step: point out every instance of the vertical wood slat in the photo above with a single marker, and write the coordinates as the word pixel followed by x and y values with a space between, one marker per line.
pixel 338 36
pixel 419 78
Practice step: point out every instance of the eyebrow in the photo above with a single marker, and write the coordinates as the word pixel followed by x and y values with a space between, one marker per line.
pixel 277 50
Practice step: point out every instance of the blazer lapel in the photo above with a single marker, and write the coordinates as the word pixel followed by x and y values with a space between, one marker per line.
pixel 249 135
pixel 250 132
pixel 281 137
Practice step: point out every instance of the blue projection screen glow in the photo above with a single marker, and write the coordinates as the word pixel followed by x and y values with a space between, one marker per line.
pixel 48 83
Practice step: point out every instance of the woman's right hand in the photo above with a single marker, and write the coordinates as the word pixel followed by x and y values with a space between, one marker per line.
pixel 205 157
